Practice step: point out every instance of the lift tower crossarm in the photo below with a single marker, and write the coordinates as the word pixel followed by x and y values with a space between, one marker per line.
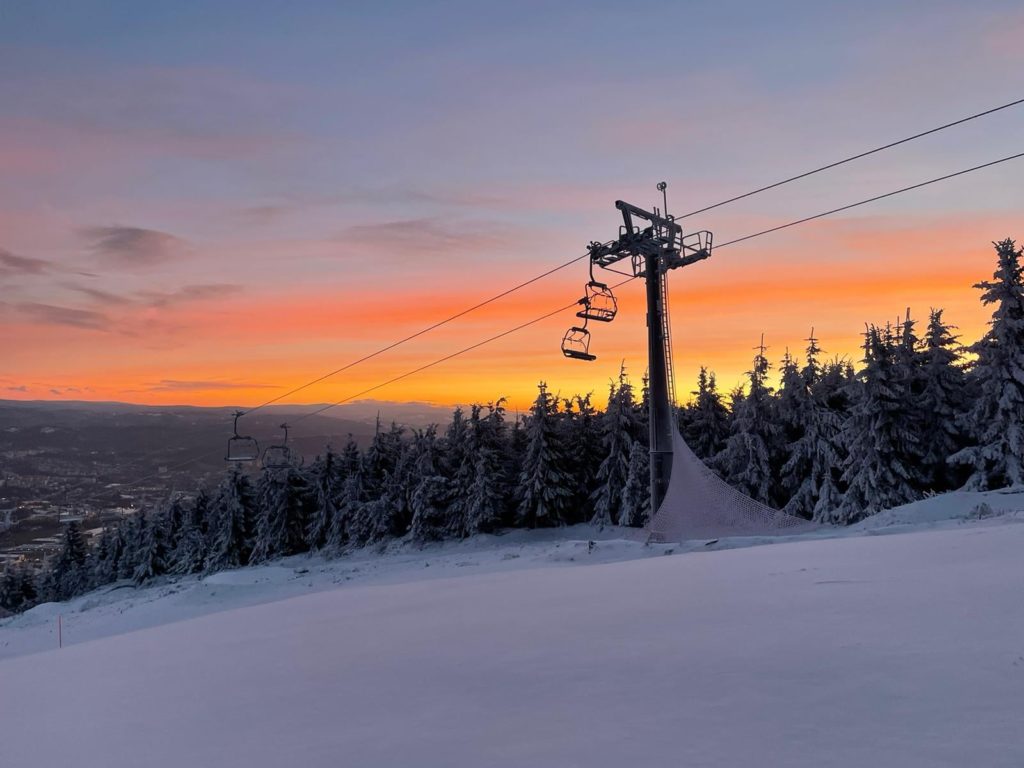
pixel 663 239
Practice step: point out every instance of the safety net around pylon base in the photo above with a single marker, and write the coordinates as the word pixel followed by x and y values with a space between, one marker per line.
pixel 700 505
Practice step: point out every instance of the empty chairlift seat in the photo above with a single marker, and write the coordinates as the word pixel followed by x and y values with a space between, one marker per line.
pixel 576 344
pixel 242 448
pixel 279 456
pixel 599 303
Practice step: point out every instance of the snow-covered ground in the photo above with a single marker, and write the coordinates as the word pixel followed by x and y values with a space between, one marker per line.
pixel 822 650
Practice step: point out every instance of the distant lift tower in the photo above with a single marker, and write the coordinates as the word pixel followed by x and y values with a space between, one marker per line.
pixel 652 251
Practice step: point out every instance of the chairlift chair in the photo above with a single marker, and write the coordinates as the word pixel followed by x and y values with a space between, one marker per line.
pixel 242 448
pixel 576 344
pixel 278 456
pixel 599 303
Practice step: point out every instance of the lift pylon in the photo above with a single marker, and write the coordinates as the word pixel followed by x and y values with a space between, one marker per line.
pixel 652 251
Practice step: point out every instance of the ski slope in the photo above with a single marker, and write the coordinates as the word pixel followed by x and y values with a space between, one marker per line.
pixel 863 649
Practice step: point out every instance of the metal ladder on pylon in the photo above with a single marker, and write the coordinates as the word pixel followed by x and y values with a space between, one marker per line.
pixel 666 334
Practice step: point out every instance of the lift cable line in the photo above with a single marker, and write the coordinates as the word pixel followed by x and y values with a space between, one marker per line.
pixel 575 304
pixel 448 357
pixel 418 333
pixel 871 199
pixel 850 159
pixel 405 375
pixel 562 266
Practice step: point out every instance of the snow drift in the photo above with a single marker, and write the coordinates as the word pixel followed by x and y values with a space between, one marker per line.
pixel 883 650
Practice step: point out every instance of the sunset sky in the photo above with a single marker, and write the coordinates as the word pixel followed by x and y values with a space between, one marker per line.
pixel 211 203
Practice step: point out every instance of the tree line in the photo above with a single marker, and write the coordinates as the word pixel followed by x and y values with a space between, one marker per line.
pixel 831 442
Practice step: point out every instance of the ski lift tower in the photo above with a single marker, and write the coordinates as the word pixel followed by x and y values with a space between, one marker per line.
pixel 652 251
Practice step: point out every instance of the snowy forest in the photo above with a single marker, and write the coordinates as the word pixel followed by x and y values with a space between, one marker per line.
pixel 822 438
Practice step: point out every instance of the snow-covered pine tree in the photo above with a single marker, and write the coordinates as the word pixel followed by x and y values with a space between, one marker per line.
pixel 18 589
pixel 374 519
pixel 99 563
pixel 791 399
pixel 751 452
pixel 838 386
pixel 635 509
pixel 10 591
pixel 189 555
pixel 151 552
pixel 349 497
pixel 941 400
pixel 271 519
pixel 406 480
pixel 909 382
pixel 707 426
pixel 486 502
pixel 430 517
pixel 643 406
pixel 486 505
pixel 545 486
pixel 230 532
pixel 174 520
pixel 516 450
pixel 281 514
pixel 123 543
pixel 460 467
pixel 736 397
pixel 66 576
pixel 813 456
pixel 431 495
pixel 581 434
pixel 325 479
pixel 877 437
pixel 619 428
pixel 381 459
pixel 995 421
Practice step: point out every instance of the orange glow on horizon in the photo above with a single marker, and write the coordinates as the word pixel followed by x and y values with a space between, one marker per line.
pixel 247 348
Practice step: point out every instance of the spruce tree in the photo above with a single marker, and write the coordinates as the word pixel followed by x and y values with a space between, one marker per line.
pixel 100 563
pixel 281 517
pixel 909 385
pixel 876 437
pixel 813 455
pixel 67 576
pixel 325 482
pixel 485 506
pixel 581 434
pixel 431 520
pixel 349 498
pixel 151 552
pixel 230 534
pixel 545 487
pixel 940 402
pixel 619 427
pixel 431 489
pixel 122 545
pixel 18 589
pixel 995 421
pixel 707 427
pixel 174 520
pixel 375 517
pixel 635 510
pixel 189 554
pixel 750 454
pixel 460 461
pixel 791 399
